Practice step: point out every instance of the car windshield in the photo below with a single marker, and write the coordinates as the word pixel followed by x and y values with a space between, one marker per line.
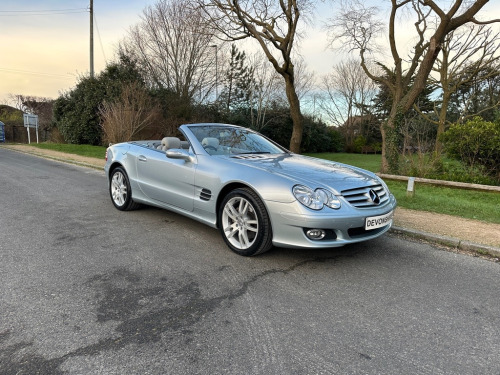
pixel 226 140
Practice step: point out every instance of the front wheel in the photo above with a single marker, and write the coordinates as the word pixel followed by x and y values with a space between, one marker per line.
pixel 244 223
pixel 120 191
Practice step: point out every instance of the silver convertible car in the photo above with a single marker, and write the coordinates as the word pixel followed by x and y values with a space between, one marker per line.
pixel 256 192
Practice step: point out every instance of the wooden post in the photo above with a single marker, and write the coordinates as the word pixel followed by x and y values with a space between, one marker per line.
pixel 410 190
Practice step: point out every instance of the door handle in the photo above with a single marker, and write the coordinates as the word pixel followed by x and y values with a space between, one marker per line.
pixel 142 158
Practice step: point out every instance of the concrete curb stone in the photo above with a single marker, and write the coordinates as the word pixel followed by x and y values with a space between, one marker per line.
pixel 448 241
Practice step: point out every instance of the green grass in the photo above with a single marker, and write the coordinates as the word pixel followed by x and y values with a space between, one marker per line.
pixel 82 150
pixel 370 162
pixel 478 205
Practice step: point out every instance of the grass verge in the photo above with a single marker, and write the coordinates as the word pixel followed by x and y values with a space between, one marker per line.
pixel 477 205
pixel 82 150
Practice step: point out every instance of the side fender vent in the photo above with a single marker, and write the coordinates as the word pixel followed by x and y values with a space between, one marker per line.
pixel 205 195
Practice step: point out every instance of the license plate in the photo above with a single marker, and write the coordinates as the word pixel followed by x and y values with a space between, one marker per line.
pixel 375 222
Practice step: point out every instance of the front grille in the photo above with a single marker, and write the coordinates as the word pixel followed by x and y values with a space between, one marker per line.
pixel 360 197
pixel 205 195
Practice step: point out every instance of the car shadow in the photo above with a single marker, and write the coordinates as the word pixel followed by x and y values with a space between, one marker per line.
pixel 275 255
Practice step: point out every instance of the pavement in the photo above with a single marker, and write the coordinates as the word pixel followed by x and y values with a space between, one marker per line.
pixel 462 235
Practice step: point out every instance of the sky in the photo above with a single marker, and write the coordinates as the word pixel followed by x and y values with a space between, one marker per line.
pixel 45 43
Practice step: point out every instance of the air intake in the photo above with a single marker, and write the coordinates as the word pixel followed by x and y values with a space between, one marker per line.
pixel 205 195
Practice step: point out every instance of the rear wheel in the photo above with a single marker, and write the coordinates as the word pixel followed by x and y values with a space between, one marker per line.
pixel 120 191
pixel 244 223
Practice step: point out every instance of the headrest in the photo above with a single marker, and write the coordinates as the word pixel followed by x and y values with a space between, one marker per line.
pixel 171 142
pixel 214 142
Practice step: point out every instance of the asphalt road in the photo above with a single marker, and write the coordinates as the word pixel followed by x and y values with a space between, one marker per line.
pixel 86 289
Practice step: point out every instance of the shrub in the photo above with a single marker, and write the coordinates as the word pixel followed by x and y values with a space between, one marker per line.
pixel 125 118
pixel 336 139
pixel 476 143
pixel 420 165
pixel 76 113
pixel 359 143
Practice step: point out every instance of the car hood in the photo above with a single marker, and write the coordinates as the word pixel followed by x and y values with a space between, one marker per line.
pixel 310 171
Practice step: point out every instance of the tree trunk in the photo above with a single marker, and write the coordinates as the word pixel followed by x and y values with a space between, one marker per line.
pixel 298 122
pixel 390 144
pixel 384 168
pixel 391 136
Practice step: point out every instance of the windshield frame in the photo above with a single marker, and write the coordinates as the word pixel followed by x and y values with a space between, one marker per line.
pixel 229 140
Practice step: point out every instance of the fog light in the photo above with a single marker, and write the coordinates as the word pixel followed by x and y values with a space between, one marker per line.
pixel 316 234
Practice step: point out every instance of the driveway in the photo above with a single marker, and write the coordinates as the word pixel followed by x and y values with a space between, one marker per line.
pixel 86 289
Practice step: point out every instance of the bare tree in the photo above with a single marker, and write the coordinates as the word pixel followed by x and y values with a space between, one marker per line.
pixel 266 90
pixel 464 55
pixel 347 93
pixel 274 26
pixel 40 106
pixel 358 25
pixel 125 118
pixel 480 96
pixel 304 80
pixel 174 47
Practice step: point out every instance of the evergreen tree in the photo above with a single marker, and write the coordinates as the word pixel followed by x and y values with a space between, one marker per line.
pixel 239 80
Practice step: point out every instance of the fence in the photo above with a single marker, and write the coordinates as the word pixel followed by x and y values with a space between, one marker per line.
pixel 18 134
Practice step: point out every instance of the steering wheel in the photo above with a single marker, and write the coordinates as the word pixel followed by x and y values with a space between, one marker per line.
pixel 209 147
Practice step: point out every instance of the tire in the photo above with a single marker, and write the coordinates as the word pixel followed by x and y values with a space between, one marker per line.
pixel 120 191
pixel 244 223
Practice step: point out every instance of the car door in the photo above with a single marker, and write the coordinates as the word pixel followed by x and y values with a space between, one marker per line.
pixel 169 181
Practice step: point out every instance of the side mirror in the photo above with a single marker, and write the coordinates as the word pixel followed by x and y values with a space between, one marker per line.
pixel 177 153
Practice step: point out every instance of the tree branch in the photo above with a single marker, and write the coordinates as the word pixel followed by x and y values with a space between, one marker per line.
pixel 474 20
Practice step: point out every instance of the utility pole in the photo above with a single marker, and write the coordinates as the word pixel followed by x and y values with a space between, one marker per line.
pixel 91 38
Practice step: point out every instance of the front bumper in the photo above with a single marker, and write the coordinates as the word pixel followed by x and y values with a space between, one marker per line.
pixel 290 221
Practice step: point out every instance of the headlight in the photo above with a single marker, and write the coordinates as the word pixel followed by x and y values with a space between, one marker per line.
pixel 333 201
pixel 315 199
